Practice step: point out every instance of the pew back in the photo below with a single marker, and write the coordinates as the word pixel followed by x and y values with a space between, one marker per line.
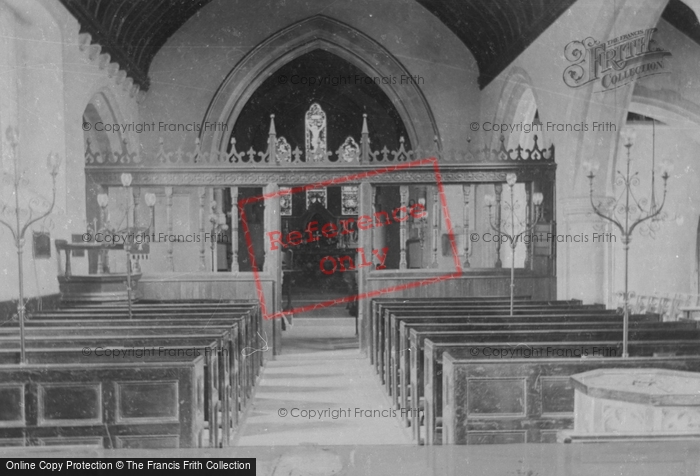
pixel 115 405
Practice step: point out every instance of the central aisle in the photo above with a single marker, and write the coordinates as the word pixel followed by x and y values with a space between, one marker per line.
pixel 321 369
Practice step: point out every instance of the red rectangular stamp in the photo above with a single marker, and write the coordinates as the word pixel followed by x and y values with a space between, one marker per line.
pixel 363 258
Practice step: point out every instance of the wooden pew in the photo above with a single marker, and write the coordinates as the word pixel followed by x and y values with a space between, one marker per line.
pixel 377 306
pixel 380 306
pixel 163 311
pixel 423 371
pixel 234 383
pixel 112 405
pixel 170 302
pixel 435 348
pixel 248 337
pixel 243 377
pixel 399 339
pixel 464 310
pixel 429 384
pixel 166 338
pixel 522 400
pixel 410 344
pixel 412 356
pixel 217 396
pixel 392 325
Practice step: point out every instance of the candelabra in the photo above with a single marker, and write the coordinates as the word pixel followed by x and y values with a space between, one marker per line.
pixel 626 213
pixel 524 228
pixel 18 229
pixel 132 235
pixel 218 224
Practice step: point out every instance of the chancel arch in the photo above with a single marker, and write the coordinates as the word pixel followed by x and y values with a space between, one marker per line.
pixel 320 32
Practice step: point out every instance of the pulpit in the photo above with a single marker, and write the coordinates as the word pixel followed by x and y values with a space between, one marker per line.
pixel 106 287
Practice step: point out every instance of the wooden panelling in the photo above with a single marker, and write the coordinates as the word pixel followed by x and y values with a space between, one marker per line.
pixel 144 401
pixel 147 442
pixel 69 404
pixel 11 404
pixel 548 436
pixel 79 401
pixel 495 437
pixel 557 396
pixel 496 397
pixel 92 441
pixel 204 286
pixel 12 442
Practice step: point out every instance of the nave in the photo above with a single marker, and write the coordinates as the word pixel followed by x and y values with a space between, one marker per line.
pixel 219 166
pixel 321 367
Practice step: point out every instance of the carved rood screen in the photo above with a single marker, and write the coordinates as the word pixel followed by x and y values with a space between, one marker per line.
pixel 350 153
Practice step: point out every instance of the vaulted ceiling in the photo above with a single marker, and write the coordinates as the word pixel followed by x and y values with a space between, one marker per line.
pixel 495 31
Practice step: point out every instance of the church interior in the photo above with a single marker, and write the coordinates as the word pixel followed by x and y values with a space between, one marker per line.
pixel 362 237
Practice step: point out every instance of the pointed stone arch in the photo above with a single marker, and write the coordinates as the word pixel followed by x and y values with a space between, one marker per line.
pixel 517 105
pixel 318 32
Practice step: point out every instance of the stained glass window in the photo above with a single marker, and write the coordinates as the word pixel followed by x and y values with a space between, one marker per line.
pixel 315 134
pixel 285 202
pixel 317 195
pixel 350 202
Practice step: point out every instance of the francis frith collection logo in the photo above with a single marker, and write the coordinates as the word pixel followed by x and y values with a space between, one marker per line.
pixel 614 63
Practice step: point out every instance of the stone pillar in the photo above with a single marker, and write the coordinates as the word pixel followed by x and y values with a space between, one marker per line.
pixel 584 270
pixel 366 240
pixel 272 265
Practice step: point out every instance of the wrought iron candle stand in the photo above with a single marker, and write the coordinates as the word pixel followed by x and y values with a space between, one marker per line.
pixel 18 229
pixel 514 238
pixel 218 224
pixel 626 213
pixel 130 233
